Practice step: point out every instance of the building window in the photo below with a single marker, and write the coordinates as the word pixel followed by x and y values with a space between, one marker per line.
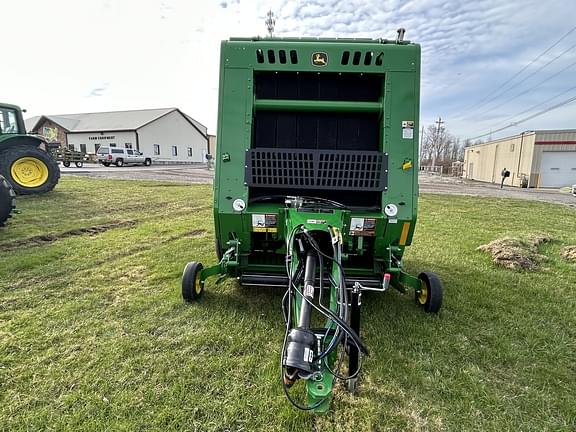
pixel 156 149
pixel 112 144
pixel 128 145
pixel 189 151
pixel 512 147
pixel 83 148
pixel 174 151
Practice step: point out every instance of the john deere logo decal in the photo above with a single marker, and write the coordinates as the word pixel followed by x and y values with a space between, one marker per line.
pixel 319 59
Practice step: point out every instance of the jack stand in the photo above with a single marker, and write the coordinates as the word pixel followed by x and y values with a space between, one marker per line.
pixel 353 354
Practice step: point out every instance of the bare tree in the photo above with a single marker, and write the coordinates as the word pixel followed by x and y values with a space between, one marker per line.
pixel 440 147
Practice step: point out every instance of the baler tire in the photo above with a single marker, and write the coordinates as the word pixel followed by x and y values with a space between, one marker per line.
pixel 79 164
pixel 431 294
pixel 13 157
pixel 7 200
pixel 66 164
pixel 192 286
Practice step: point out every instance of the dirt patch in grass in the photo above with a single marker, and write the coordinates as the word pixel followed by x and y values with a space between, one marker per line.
pixel 516 253
pixel 568 253
pixel 52 237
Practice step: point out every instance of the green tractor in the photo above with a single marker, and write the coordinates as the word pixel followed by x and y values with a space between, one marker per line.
pixel 24 159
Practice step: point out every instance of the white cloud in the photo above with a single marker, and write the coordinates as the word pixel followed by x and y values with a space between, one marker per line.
pixel 161 53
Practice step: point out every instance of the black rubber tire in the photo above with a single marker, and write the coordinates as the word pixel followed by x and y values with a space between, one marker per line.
pixel 434 293
pixel 106 164
pixel 192 288
pixel 9 156
pixel 119 163
pixel 79 164
pixel 147 162
pixel 7 200
pixel 66 164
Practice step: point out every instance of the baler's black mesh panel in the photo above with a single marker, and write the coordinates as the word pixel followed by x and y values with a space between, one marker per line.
pixel 315 86
pixel 317 169
pixel 323 131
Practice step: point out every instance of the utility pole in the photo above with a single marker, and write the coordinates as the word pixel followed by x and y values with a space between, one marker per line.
pixel 439 122
pixel 270 23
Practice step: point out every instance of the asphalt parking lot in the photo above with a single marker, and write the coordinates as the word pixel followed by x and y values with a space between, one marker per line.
pixel 428 183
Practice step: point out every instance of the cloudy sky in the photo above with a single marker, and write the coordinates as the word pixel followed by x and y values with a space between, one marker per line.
pixel 486 63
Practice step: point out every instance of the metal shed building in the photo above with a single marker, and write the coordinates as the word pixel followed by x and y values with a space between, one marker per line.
pixel 166 135
pixel 542 158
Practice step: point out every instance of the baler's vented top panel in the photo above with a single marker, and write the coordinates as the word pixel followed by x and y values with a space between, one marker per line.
pixel 317 169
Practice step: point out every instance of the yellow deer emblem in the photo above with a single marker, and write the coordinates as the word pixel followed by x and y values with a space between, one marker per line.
pixel 319 59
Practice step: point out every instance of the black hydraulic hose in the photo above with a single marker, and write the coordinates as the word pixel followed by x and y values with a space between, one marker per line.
pixel 340 323
pixel 344 325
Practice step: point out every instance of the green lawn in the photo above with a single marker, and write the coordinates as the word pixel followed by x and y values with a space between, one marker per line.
pixel 94 335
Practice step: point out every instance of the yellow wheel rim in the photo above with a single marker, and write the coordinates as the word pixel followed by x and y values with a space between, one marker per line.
pixel 197 285
pixel 423 296
pixel 29 172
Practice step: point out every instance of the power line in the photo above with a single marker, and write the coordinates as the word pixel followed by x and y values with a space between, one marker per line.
pixel 532 108
pixel 529 89
pixel 525 78
pixel 482 101
pixel 561 104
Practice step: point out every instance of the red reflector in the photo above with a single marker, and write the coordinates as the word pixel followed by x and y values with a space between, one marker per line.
pixel 109 157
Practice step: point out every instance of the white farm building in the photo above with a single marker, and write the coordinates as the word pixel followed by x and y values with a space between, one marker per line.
pixel 166 135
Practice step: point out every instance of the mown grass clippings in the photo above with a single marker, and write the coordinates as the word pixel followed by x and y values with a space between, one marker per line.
pixel 568 253
pixel 94 334
pixel 516 253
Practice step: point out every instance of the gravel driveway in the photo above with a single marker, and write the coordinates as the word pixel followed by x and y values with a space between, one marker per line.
pixel 428 183
pixel 457 186
pixel 174 173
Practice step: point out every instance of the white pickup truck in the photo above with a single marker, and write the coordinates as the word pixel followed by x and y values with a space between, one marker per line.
pixel 120 156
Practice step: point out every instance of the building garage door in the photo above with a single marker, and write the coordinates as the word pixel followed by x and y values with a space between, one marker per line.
pixel 558 169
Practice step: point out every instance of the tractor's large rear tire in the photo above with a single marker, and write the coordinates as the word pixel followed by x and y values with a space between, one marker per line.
pixel 7 200
pixel 29 169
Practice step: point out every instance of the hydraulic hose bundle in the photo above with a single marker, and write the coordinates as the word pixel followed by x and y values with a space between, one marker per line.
pixel 309 353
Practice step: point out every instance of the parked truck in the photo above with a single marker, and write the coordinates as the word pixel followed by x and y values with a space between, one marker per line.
pixel 24 158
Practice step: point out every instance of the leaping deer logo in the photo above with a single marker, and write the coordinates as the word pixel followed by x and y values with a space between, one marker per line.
pixel 319 59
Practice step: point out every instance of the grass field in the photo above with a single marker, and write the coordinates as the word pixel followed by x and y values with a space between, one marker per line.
pixel 94 335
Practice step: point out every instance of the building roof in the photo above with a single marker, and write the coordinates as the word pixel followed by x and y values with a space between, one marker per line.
pixel 109 121
pixel 529 132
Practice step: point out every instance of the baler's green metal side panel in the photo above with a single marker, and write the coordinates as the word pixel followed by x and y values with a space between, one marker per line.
pixel 400 69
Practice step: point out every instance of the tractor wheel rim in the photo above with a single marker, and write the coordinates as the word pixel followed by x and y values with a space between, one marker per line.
pixel 29 172
pixel 423 295
pixel 197 285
